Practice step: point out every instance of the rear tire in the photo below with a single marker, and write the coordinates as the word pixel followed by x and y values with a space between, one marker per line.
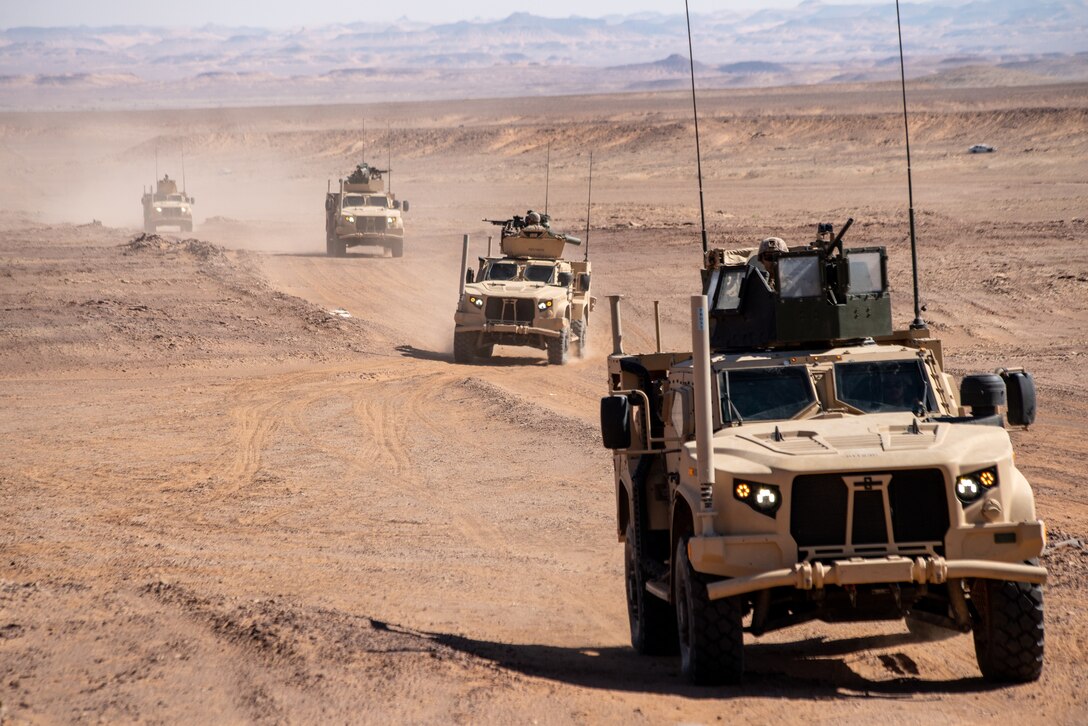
pixel 1008 630
pixel 464 347
pixel 559 349
pixel 653 621
pixel 711 631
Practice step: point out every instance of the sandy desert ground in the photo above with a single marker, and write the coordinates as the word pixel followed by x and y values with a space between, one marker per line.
pixel 219 502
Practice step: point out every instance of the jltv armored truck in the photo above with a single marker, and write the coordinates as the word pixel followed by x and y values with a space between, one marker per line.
pixel 806 462
pixel 363 213
pixel 165 206
pixel 529 296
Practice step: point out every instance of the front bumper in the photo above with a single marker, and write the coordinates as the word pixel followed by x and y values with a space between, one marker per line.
pixel 759 562
pixel 375 237
pixel 469 323
pixel 876 571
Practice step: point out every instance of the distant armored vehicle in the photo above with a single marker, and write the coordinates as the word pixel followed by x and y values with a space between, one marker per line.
pixel 362 213
pixel 529 296
pixel 165 206
pixel 808 462
pixel 981 149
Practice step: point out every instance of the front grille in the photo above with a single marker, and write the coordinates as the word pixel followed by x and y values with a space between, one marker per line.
pixel 171 211
pixel 509 310
pixel 914 503
pixel 370 224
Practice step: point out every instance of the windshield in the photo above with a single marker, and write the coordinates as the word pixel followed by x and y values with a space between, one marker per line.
pixel 765 394
pixel 502 271
pixel 881 386
pixel 539 273
pixel 382 202
pixel 353 200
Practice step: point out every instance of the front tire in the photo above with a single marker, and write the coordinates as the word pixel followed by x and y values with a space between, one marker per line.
pixel 711 631
pixel 396 249
pixel 464 347
pixel 653 621
pixel 559 349
pixel 1008 630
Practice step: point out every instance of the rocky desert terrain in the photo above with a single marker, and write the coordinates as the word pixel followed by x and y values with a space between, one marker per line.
pixel 222 499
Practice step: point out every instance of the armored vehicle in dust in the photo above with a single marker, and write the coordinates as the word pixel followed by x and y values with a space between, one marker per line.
pixel 362 213
pixel 165 206
pixel 806 462
pixel 529 296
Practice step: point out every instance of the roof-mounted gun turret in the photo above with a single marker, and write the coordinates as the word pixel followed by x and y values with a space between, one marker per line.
pixel 365 178
pixel 821 293
pixel 531 236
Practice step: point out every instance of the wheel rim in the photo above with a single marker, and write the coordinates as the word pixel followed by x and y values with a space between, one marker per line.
pixel 683 616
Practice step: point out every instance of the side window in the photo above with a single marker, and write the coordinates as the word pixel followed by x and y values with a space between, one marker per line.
pixel 866 273
pixel 729 289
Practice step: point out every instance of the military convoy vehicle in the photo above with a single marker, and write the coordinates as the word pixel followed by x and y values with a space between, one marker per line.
pixel 165 206
pixel 363 213
pixel 529 296
pixel 806 461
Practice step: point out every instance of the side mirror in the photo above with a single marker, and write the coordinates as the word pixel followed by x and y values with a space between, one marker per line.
pixel 983 393
pixel 1020 387
pixel 616 422
pixel 564 279
pixel 404 205
pixel 469 277
pixel 583 281
pixel 192 200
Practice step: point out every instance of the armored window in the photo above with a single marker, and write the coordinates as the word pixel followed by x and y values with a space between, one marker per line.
pixel 379 201
pixel 539 273
pixel 353 200
pixel 799 277
pixel 866 272
pixel 502 271
pixel 883 386
pixel 765 394
pixel 729 289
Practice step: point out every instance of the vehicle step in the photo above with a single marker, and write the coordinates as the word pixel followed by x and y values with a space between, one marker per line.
pixel 658 588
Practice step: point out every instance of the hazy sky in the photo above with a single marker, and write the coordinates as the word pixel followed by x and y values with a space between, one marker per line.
pixel 289 13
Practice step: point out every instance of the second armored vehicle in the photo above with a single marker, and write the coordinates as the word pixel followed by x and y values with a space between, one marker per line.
pixel 805 462
pixel 165 206
pixel 529 296
pixel 362 213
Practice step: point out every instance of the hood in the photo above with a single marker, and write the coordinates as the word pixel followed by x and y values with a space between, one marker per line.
pixel 856 443
pixel 517 288
pixel 371 212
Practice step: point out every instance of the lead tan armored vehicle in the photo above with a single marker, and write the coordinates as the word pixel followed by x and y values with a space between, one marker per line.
pixel 363 213
pixel 806 462
pixel 165 206
pixel 529 296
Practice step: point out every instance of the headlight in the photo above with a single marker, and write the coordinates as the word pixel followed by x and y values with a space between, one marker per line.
pixel 544 305
pixel 477 301
pixel 349 218
pixel 971 487
pixel 391 221
pixel 764 498
pixel 158 209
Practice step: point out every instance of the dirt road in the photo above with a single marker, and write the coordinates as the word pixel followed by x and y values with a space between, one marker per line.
pixel 221 502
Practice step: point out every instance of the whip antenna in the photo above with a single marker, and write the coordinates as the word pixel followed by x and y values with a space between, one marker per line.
pixel 695 114
pixel 918 322
pixel 184 186
pixel 589 201
pixel 547 175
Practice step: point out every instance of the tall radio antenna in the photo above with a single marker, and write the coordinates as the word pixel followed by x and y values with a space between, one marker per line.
pixel 918 323
pixel 589 201
pixel 547 175
pixel 695 114
pixel 184 186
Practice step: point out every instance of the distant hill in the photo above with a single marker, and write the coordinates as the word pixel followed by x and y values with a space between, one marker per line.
pixel 525 53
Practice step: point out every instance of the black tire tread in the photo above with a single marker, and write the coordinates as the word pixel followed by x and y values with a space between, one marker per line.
pixel 1009 630
pixel 717 631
